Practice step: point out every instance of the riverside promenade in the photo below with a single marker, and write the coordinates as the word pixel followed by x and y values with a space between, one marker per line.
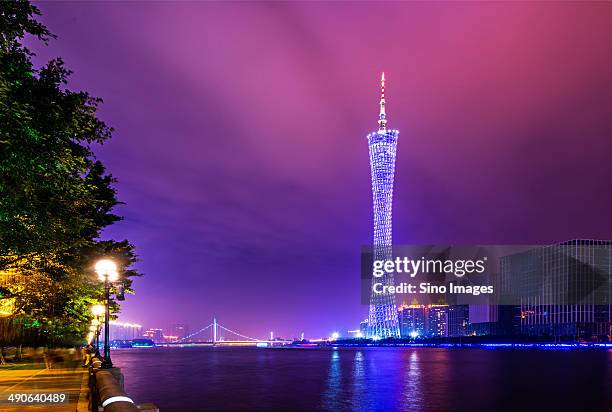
pixel 61 373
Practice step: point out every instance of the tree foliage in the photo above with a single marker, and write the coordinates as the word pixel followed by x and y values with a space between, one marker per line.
pixel 55 196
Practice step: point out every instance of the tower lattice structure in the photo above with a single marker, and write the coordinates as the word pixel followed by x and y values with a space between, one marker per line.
pixel 382 319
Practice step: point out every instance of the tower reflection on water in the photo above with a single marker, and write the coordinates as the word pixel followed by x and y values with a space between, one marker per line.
pixel 382 379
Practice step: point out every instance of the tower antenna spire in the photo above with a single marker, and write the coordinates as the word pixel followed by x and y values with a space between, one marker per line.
pixel 382 117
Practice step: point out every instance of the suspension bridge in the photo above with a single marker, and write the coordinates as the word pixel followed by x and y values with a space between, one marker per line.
pixel 216 334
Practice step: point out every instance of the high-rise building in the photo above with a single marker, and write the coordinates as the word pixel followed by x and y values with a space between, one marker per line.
pixel 564 289
pixel 436 321
pixel 382 319
pixel 155 334
pixel 428 321
pixel 412 319
pixel 458 318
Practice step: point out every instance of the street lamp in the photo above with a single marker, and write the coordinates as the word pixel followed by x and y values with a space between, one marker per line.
pixel 98 310
pixel 107 272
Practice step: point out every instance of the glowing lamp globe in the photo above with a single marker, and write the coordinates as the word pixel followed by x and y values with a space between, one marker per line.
pixel 107 270
pixel 98 310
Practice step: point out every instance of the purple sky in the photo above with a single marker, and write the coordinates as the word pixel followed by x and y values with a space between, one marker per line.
pixel 241 153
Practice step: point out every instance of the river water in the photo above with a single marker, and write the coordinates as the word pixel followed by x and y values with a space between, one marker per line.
pixel 372 379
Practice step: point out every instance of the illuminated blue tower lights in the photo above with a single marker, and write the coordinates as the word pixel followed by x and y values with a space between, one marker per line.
pixel 382 319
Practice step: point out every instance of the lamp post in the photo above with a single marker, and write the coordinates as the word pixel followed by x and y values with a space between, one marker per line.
pixel 97 310
pixel 107 272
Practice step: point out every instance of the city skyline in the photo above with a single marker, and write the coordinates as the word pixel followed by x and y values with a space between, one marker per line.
pixel 240 184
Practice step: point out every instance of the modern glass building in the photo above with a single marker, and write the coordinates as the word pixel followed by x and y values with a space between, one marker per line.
pixel 437 321
pixel 429 321
pixel 412 320
pixel 382 319
pixel 563 289
pixel 458 318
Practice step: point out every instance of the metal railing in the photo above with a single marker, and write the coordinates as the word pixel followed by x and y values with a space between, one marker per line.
pixel 106 388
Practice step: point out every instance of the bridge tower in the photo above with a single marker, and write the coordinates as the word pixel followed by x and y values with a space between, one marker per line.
pixel 214 330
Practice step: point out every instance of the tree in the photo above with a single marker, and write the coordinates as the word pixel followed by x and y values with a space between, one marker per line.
pixel 55 196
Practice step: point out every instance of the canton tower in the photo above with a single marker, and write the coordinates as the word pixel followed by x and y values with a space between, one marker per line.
pixel 382 319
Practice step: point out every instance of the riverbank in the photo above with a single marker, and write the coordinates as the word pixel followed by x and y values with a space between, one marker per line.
pixel 45 372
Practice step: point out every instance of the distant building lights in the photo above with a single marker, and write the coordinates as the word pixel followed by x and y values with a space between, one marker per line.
pixel 125 324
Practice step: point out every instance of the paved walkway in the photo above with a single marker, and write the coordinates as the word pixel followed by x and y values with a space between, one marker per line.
pixel 66 376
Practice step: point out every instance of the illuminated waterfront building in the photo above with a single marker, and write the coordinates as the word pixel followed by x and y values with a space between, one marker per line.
pixel 170 338
pixel 124 330
pixel 423 321
pixel 564 289
pixel 411 319
pixel 382 318
pixel 437 321
pixel 155 334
